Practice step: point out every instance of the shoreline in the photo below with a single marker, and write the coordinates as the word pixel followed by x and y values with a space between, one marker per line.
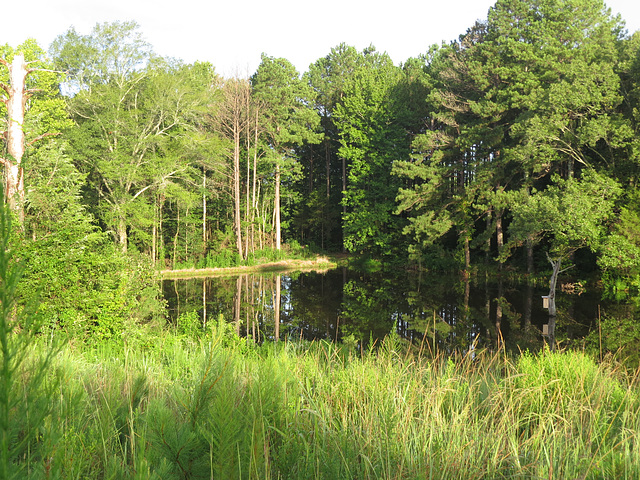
pixel 319 264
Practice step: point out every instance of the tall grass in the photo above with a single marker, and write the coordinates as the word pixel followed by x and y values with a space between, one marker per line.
pixel 26 382
pixel 220 408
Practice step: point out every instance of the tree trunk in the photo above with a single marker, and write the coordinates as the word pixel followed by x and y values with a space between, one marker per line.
pixel 154 231
pixel 160 246
pixel 276 207
pixel 204 303
pixel 344 191
pixel 499 313
pixel 175 239
pixel 247 210
pixel 555 264
pixel 236 187
pixel 551 326
pixel 254 199
pixel 16 101
pixel 499 232
pixel 276 308
pixel 122 234
pixel 237 304
pixel 529 247
pixel 467 255
pixel 487 255
pixel 327 153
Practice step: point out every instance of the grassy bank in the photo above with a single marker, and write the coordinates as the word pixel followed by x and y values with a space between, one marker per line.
pixel 318 264
pixel 172 408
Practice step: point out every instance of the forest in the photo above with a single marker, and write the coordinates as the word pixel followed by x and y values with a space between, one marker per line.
pixel 514 146
pixel 512 151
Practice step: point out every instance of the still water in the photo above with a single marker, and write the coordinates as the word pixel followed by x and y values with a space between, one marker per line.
pixel 443 312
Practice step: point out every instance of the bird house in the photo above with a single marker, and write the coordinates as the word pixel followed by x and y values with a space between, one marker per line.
pixel 545 329
pixel 545 301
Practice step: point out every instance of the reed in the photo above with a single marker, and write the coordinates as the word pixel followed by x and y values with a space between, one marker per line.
pixel 219 408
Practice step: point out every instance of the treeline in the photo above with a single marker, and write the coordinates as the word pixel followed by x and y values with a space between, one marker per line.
pixel 520 136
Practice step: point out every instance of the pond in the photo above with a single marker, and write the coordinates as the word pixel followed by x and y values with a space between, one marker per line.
pixel 438 312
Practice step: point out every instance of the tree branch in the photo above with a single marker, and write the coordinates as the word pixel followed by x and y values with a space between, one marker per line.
pixel 31 91
pixel 164 177
pixel 41 69
pixel 40 137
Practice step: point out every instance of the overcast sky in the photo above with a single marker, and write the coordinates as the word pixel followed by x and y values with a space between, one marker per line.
pixel 231 34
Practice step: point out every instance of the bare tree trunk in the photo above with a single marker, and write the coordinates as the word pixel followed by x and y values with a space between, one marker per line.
pixel 237 303
pixel 467 254
pixel 204 215
pixel 276 207
pixel 154 231
pixel 175 239
pixel 499 232
pixel 254 199
pixel 327 153
pixel 15 103
pixel 186 235
pixel 276 307
pixel 499 313
pixel 160 246
pixel 204 303
pixel 488 244
pixel 236 187
pixel 344 190
pixel 555 264
pixel 528 304
pixel 233 119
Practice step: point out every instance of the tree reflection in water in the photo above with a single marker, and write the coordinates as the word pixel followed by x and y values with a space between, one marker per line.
pixel 442 313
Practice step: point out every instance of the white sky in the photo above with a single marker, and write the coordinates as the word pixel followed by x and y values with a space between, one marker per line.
pixel 231 34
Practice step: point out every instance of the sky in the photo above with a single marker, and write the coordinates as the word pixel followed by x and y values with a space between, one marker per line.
pixel 232 34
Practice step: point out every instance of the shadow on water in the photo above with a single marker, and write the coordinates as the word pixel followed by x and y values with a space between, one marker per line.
pixel 446 314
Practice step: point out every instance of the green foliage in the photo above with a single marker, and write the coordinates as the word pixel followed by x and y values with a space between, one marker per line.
pixel 291 121
pixel 26 383
pixel 189 324
pixel 85 285
pixel 228 258
pixel 620 251
pixel 530 93
pixel 572 214
pixel 222 259
pixel 371 138
pixel 202 409
pixel 617 335
pixel 135 118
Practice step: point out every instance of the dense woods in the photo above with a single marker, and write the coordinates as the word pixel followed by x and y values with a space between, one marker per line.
pixel 515 145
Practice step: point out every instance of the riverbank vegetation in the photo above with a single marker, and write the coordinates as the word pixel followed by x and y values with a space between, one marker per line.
pixel 174 406
pixel 317 264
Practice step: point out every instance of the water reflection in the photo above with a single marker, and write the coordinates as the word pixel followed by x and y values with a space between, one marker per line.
pixel 441 314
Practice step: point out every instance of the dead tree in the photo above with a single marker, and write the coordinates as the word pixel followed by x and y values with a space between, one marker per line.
pixel 15 99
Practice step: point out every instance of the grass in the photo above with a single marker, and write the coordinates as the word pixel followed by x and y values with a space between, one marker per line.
pixel 218 407
pixel 320 263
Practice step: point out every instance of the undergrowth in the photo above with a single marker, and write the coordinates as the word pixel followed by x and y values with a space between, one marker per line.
pixel 219 407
